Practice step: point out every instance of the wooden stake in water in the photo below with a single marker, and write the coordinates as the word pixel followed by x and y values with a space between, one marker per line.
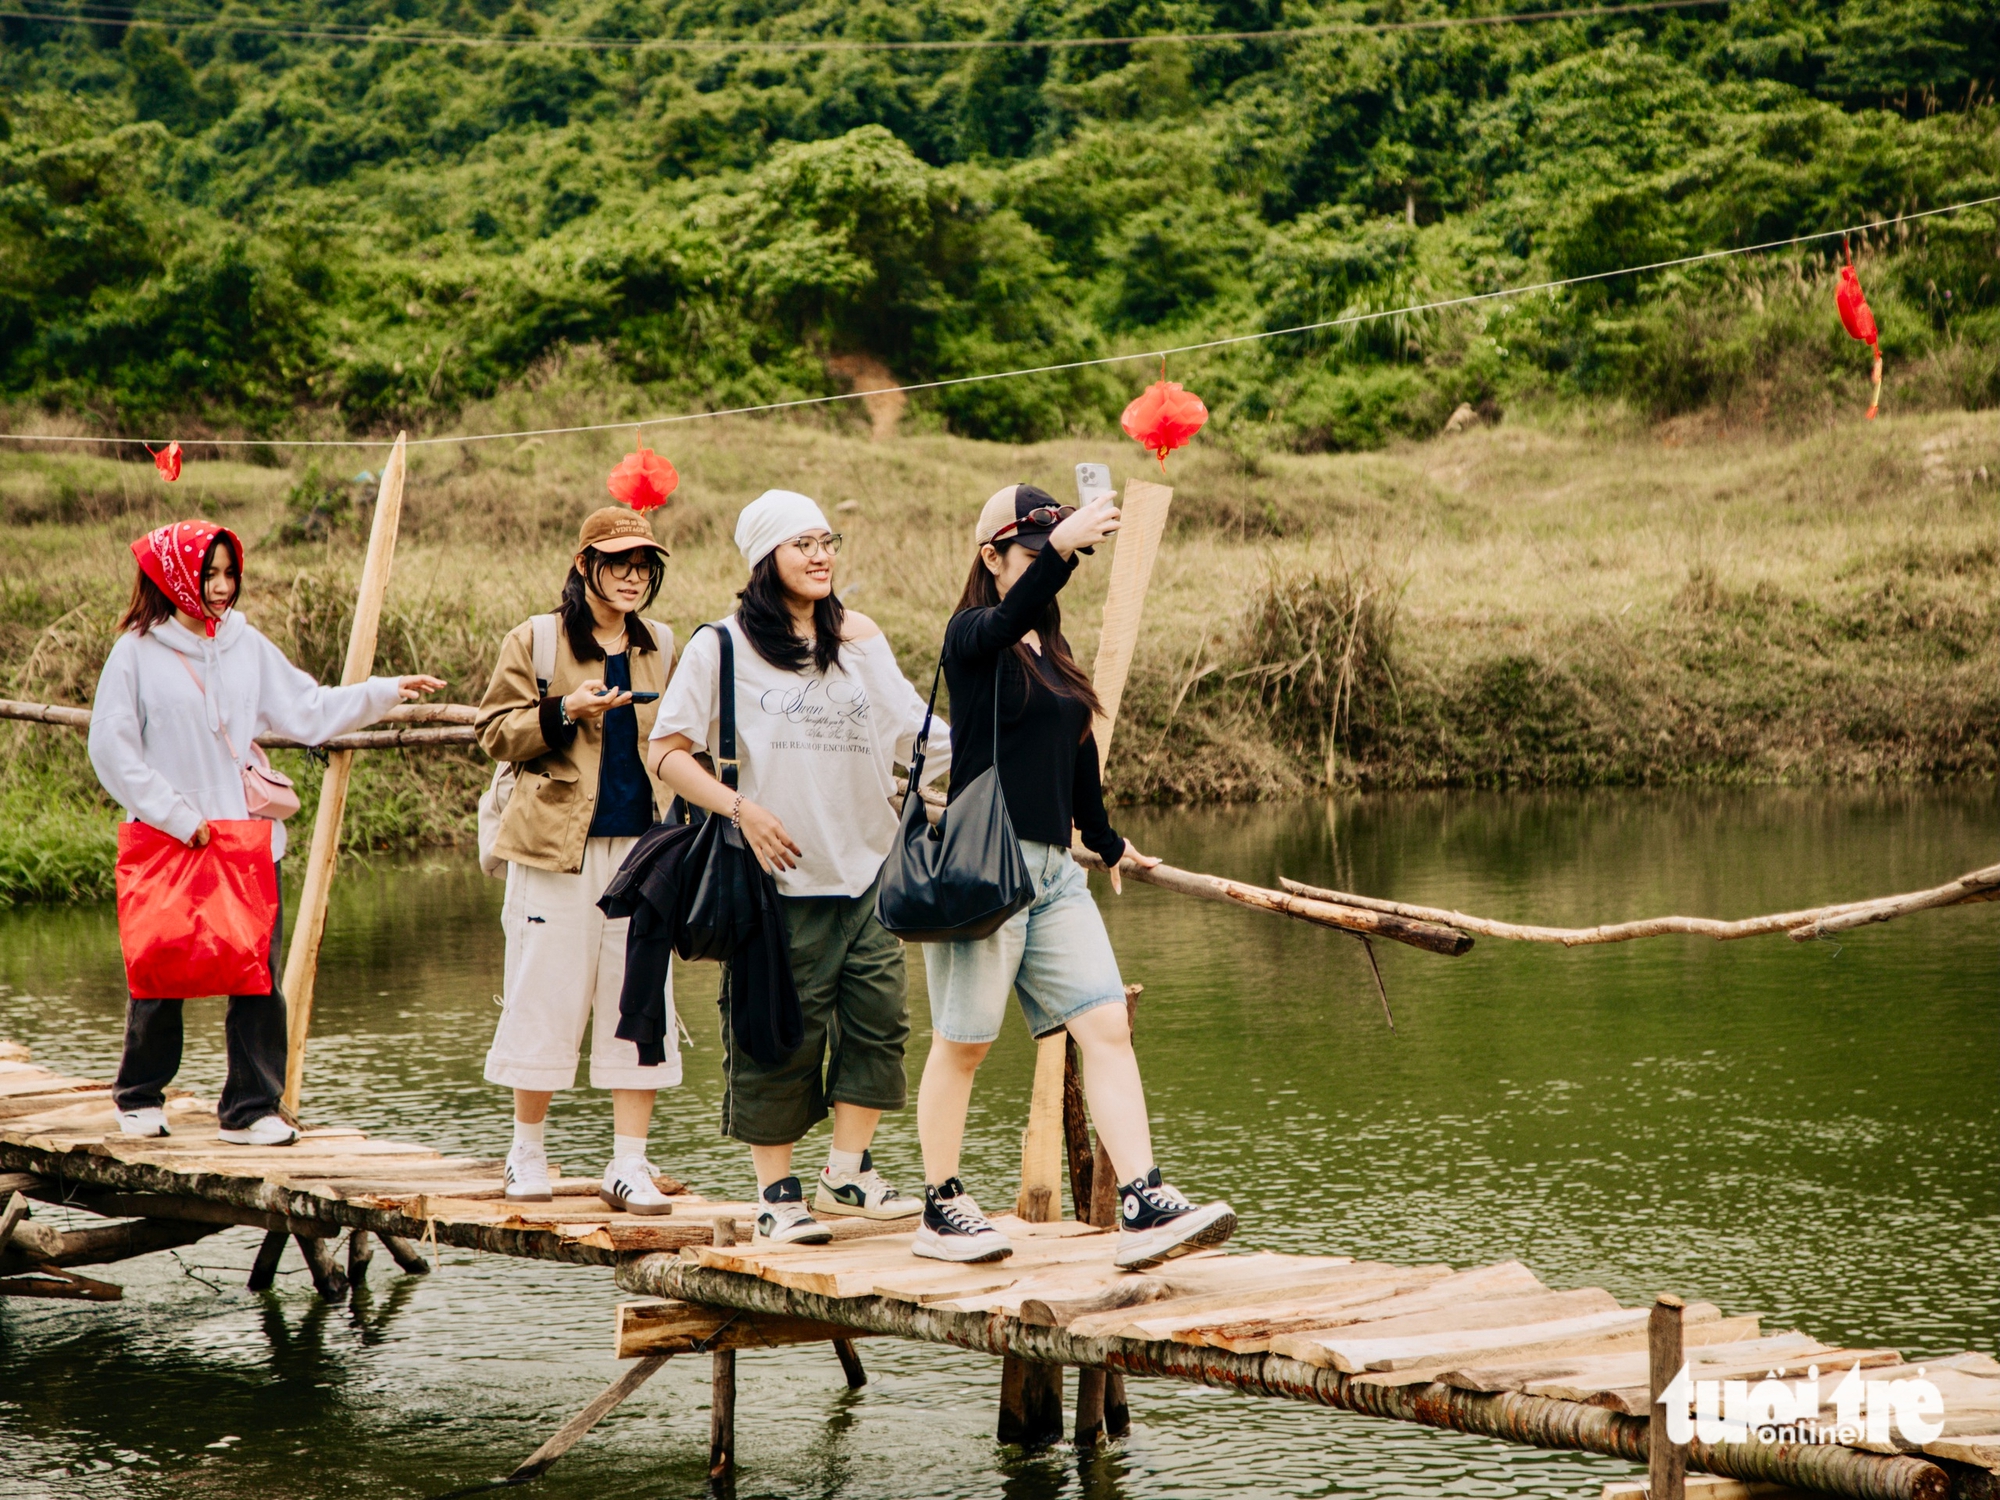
pixel 302 961
pixel 1666 1463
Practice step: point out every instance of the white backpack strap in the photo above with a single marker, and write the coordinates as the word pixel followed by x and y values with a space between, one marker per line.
pixel 544 651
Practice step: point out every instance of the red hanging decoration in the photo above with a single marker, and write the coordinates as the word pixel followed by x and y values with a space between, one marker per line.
pixel 643 480
pixel 167 460
pixel 1859 320
pixel 1163 417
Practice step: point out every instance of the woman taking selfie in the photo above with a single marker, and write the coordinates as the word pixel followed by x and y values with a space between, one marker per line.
pixel 823 715
pixel 187 688
pixel 572 723
pixel 1004 654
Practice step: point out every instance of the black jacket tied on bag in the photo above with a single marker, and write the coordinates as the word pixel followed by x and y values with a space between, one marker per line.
pixel 693 887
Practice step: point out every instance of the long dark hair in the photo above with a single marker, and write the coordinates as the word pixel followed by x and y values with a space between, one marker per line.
pixel 767 620
pixel 580 625
pixel 150 605
pixel 1053 667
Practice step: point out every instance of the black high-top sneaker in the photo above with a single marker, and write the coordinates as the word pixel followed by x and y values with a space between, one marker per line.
pixel 784 1219
pixel 1156 1223
pixel 954 1228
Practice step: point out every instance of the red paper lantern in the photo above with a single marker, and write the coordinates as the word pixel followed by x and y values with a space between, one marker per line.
pixel 1163 417
pixel 1859 320
pixel 643 480
pixel 167 460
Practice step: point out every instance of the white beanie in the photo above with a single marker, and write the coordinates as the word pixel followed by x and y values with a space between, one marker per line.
pixel 773 518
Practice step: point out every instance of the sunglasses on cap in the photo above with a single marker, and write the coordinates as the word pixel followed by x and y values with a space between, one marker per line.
pixel 1041 515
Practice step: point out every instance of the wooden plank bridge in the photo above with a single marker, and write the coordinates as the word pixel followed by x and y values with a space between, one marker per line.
pixel 1488 1350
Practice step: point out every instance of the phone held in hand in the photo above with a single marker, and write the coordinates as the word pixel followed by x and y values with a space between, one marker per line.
pixel 644 697
pixel 1093 480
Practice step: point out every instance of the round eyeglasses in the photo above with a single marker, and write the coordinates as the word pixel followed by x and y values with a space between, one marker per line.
pixel 812 546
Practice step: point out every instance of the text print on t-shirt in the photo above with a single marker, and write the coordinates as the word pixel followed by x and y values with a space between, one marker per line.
pixel 830 716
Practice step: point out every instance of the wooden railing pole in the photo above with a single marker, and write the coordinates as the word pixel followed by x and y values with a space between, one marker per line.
pixel 302 959
pixel 1666 1461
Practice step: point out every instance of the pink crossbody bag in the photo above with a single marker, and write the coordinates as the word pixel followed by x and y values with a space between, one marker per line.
pixel 267 791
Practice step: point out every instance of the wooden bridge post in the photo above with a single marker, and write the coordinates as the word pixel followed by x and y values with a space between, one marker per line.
pixel 722 1391
pixel 1100 1394
pixel 302 958
pixel 1666 1461
pixel 264 1270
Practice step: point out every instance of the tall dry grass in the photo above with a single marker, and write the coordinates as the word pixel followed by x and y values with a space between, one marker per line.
pixel 1566 599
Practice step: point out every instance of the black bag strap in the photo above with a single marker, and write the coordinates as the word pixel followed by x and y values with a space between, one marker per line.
pixel 726 761
pixel 930 712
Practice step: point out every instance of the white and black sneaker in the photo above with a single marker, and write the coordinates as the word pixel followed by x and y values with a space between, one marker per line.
pixel 527 1176
pixel 865 1195
pixel 954 1229
pixel 1156 1223
pixel 628 1186
pixel 784 1218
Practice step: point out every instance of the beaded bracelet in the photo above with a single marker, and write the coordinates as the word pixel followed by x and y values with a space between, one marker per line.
pixel 736 813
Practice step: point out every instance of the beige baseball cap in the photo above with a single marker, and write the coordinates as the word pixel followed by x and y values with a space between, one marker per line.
pixel 1008 510
pixel 617 529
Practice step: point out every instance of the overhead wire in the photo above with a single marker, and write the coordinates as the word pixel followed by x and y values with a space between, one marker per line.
pixel 639 425
pixel 87 15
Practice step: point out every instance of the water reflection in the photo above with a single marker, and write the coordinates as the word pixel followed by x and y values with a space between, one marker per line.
pixel 1811 1132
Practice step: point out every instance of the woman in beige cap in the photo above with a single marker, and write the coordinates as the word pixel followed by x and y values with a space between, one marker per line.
pixel 571 701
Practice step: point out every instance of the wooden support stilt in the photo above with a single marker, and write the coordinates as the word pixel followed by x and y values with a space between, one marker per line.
pixel 1666 1461
pixel 264 1270
pixel 360 1250
pixel 722 1390
pixel 53 1281
pixel 850 1364
pixel 327 1277
pixel 722 1415
pixel 1105 1389
pixel 302 961
pixel 15 1211
pixel 405 1254
pixel 537 1463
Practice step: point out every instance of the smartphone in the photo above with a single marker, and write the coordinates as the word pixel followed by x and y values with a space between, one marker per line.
pixel 1093 480
pixel 644 697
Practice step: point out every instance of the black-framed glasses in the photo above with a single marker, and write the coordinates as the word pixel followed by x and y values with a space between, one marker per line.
pixel 1041 515
pixel 811 546
pixel 638 563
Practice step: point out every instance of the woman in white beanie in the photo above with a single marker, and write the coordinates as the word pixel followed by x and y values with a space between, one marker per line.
pixel 823 716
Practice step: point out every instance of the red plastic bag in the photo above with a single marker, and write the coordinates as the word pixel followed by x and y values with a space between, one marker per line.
pixel 197 922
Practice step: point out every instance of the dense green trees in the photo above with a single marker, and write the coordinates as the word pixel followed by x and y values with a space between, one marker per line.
pixel 218 221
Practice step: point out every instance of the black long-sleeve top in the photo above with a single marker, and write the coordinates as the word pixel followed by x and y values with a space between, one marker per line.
pixel 1048 756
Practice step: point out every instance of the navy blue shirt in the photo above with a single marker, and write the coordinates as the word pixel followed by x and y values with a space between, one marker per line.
pixel 624 794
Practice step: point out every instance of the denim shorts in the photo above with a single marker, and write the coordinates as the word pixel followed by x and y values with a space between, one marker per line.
pixel 1054 953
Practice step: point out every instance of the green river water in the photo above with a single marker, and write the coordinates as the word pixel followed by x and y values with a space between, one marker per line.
pixel 1807 1131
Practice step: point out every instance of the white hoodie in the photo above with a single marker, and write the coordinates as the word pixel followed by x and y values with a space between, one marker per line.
pixel 157 734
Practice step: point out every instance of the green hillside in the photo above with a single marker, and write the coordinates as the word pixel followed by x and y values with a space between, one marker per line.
pixel 212 225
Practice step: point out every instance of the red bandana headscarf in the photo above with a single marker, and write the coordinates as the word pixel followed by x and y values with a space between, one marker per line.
pixel 172 556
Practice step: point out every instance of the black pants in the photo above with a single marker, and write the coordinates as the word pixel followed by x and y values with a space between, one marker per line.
pixel 254 1035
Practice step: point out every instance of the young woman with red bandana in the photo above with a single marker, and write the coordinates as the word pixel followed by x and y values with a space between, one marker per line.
pixel 187 687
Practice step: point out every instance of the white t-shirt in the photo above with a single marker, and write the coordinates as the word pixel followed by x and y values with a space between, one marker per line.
pixel 817 750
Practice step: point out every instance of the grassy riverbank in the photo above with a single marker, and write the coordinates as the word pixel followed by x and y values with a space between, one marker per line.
pixel 1571 601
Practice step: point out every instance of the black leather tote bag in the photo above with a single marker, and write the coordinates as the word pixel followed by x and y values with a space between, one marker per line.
pixel 719 901
pixel 963 879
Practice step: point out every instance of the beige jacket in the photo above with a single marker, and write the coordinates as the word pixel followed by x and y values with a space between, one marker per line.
pixel 547 820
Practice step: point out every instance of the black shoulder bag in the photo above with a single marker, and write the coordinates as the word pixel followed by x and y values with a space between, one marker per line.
pixel 963 879
pixel 720 899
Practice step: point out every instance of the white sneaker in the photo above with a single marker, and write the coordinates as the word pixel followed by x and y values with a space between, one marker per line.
pixel 528 1176
pixel 955 1230
pixel 865 1195
pixel 272 1130
pixel 628 1184
pixel 785 1219
pixel 152 1120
